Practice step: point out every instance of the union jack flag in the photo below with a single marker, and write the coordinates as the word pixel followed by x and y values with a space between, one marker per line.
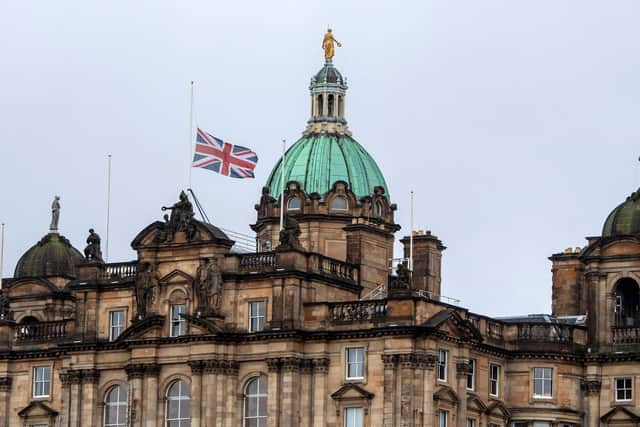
pixel 223 157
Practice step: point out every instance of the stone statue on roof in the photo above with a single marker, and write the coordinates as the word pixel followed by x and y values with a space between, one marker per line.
pixel 55 214
pixel 328 45
pixel 93 251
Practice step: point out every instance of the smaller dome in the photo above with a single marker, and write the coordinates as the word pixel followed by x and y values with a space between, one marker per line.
pixel 53 255
pixel 328 74
pixel 625 219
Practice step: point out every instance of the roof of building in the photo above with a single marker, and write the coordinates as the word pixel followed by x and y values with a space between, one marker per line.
pixel 328 74
pixel 317 161
pixel 545 318
pixel 624 220
pixel 53 255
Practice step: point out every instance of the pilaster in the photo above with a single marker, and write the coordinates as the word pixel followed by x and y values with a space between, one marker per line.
pixel 75 403
pixel 320 369
pixel 462 370
pixel 407 365
pixel 90 379
pixel 150 409
pixel 5 393
pixel 197 367
pixel 591 390
pixel 211 392
pixel 233 416
pixel 273 400
pixel 135 373
pixel 290 398
pixel 389 382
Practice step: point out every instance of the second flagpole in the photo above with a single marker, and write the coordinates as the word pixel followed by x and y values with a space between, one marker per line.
pixel 190 132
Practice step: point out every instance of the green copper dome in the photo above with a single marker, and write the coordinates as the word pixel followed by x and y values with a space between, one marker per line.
pixel 625 219
pixel 53 255
pixel 317 161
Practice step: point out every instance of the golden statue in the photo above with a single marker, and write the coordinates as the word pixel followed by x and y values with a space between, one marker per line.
pixel 327 45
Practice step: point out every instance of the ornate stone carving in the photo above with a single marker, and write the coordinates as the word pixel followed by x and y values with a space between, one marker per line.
pixel 181 219
pixel 92 251
pixel 290 234
pixel 320 365
pixel 65 378
pixel 273 364
pixel 146 289
pixel 407 360
pixel 402 281
pixel 463 368
pixel 5 383
pixel 197 366
pixel 290 364
pixel 134 371
pixel 208 286
pixel 90 376
pixel 591 387
pixel 389 360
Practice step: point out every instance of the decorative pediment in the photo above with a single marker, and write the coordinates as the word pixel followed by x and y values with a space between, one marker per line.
pixel 620 414
pixel 351 391
pixel 37 409
pixel 176 277
pixel 149 327
pixel 205 325
pixel 612 246
pixel 475 404
pixel 29 286
pixel 451 323
pixel 161 234
pixel 446 394
pixel 497 409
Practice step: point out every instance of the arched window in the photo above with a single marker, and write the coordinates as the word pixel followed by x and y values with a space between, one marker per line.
pixel 178 408
pixel 320 106
pixel 627 308
pixel 294 203
pixel 115 407
pixel 339 203
pixel 330 102
pixel 255 403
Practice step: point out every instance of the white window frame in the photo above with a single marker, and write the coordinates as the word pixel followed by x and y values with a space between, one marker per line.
pixel 443 365
pixel 495 379
pixel 260 393
pixel 472 374
pixel 259 318
pixel 117 404
pixel 45 381
pixel 443 418
pixel 623 389
pixel 178 324
pixel 543 380
pixel 116 329
pixel 356 409
pixel 180 399
pixel 356 362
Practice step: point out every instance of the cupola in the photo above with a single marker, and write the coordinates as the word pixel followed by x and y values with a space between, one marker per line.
pixel 624 220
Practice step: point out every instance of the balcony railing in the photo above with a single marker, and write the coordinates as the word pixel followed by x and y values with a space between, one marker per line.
pixel 622 335
pixel 336 268
pixel 41 331
pixel 119 270
pixel 545 332
pixel 358 311
pixel 495 330
pixel 258 262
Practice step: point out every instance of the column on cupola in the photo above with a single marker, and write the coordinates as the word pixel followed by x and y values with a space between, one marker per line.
pixel 233 415
pixel 90 379
pixel 389 392
pixel 135 373
pixel 197 368
pixel 462 370
pixel 273 399
pixel 150 409
pixel 290 395
pixel 5 393
pixel 320 373
pixel 325 104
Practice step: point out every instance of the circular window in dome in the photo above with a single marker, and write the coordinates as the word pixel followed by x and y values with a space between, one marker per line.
pixel 339 203
pixel 294 203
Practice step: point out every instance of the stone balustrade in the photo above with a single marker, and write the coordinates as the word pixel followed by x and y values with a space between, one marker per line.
pixel 358 311
pixel 626 335
pixel 41 331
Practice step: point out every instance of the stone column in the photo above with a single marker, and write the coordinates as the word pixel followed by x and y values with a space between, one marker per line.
pixel 233 417
pixel 65 399
pixel 462 369
pixel 407 366
pixel 75 403
pixel 429 363
pixel 210 392
pixel 320 371
pixel 90 379
pixel 290 399
pixel 388 412
pixel 220 397
pixel 5 392
pixel 273 400
pixel 150 407
pixel 418 391
pixel 306 392
pixel 591 389
pixel 196 391
pixel 135 372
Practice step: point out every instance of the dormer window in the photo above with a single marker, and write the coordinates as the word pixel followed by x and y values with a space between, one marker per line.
pixel 294 203
pixel 339 203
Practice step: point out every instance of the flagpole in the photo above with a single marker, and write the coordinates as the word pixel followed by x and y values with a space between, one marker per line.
pixel 411 236
pixel 108 206
pixel 1 254
pixel 190 132
pixel 284 148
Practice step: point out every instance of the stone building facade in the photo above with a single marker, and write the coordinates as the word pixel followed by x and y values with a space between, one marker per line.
pixel 315 328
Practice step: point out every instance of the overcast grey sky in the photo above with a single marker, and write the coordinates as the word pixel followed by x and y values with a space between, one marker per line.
pixel 515 122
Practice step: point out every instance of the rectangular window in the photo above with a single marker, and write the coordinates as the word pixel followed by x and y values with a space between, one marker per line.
pixel 178 323
pixel 256 316
pixel 520 424
pixel 116 324
pixel 494 380
pixel 443 356
pixel 355 363
pixel 471 422
pixel 41 381
pixel 471 375
pixel 443 417
pixel 541 424
pixel 543 383
pixel 353 417
pixel 624 390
